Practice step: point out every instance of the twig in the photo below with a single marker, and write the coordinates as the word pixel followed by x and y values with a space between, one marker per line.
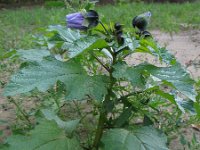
pixel 103 111
pixel 54 96
pixel 104 27
pixel 100 62
pixel 128 95
pixel 192 61
pixel 24 114
pixel 121 50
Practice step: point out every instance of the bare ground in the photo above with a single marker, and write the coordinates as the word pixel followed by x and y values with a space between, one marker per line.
pixel 184 45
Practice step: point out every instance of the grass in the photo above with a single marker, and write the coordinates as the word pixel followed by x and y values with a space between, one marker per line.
pixel 17 26
pixel 166 17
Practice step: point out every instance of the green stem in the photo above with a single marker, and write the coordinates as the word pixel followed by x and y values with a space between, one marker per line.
pixel 24 114
pixel 100 61
pixel 99 131
pixel 121 50
pixel 103 113
pixel 128 95
pixel 104 27
pixel 54 95
pixel 57 103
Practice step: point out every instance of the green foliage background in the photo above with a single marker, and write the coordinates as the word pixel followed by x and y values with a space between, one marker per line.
pixel 16 25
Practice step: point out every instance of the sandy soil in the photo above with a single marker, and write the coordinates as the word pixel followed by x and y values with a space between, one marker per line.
pixel 184 45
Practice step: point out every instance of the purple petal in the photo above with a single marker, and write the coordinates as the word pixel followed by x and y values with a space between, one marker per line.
pixel 76 26
pixel 75 20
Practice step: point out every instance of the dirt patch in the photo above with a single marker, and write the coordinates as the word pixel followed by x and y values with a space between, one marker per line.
pixel 186 48
pixel 184 45
pixel 7 115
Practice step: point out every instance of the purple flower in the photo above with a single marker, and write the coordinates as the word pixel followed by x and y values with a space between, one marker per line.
pixel 75 20
pixel 81 20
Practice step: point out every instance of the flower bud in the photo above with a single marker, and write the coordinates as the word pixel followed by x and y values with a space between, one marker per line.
pixel 141 21
pixel 145 34
pixel 93 18
pixel 118 33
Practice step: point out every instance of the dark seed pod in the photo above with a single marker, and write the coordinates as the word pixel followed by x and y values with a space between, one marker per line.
pixel 118 26
pixel 146 34
pixel 93 18
pixel 82 21
pixel 118 33
pixel 141 21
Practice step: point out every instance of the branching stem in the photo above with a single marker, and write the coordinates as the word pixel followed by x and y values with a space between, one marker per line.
pixel 128 95
pixel 100 62
pixel 104 27
pixel 103 112
pixel 24 114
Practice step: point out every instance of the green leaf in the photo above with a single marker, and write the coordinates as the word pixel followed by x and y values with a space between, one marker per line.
pixel 45 136
pixel 33 54
pixel 7 54
pixel 182 104
pixel 151 47
pixel 185 105
pixel 134 75
pixel 197 108
pixel 66 34
pixel 1 133
pixel 43 75
pixel 147 121
pixel 83 44
pixel 123 118
pixel 165 95
pixel 130 42
pixel 92 86
pixel 90 5
pixel 68 126
pixel 183 140
pixel 98 44
pixel 174 75
pixel 75 43
pixel 165 55
pixel 145 138
pixel 3 147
